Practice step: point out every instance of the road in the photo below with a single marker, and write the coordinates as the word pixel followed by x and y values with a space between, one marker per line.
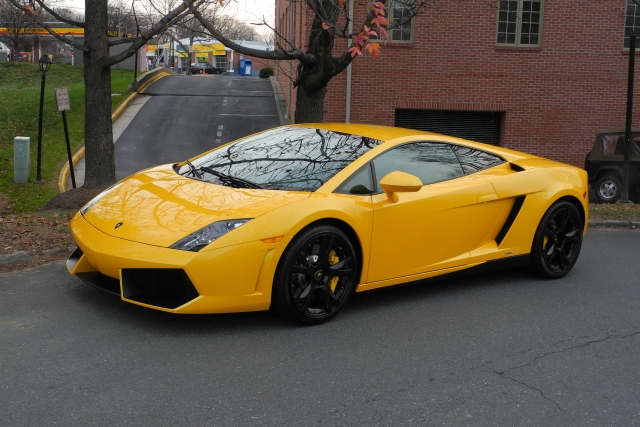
pixel 499 349
pixel 188 115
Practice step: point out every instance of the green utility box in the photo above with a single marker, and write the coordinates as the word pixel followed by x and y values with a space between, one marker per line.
pixel 21 159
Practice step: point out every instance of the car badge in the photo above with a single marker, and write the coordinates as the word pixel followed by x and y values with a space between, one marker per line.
pixel 318 274
pixel 118 225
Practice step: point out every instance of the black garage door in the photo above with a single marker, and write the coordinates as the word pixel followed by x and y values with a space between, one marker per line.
pixel 482 126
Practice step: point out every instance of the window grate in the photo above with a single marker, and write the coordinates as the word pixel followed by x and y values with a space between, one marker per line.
pixel 481 126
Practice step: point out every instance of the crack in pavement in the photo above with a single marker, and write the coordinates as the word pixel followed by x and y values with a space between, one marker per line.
pixel 504 373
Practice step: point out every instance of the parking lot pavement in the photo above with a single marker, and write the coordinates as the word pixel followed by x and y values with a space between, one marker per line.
pixel 498 349
pixel 188 115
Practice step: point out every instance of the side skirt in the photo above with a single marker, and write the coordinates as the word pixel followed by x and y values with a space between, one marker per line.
pixel 498 264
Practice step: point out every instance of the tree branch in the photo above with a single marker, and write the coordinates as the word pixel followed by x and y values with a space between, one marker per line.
pixel 169 19
pixel 57 16
pixel 46 27
pixel 258 53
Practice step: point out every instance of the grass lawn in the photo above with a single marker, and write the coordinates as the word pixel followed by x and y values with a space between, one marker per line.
pixel 19 106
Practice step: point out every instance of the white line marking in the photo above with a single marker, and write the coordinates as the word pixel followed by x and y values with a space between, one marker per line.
pixel 220 127
pixel 251 115
pixel 217 141
pixel 219 134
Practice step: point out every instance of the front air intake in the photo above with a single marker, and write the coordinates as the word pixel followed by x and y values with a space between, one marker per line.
pixel 160 287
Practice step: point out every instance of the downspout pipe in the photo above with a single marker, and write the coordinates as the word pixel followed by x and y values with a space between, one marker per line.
pixel 347 111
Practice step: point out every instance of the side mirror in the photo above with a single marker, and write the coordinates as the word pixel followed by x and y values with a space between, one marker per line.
pixel 399 182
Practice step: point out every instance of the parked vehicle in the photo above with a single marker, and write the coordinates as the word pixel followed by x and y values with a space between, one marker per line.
pixel 6 51
pixel 299 217
pixel 199 67
pixel 604 165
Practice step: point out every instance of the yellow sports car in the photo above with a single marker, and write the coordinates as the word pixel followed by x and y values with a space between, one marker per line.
pixel 299 217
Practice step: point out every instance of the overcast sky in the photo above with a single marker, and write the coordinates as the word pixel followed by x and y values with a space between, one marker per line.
pixel 244 10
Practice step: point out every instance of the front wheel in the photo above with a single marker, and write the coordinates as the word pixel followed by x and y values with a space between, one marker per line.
pixel 608 189
pixel 316 275
pixel 557 242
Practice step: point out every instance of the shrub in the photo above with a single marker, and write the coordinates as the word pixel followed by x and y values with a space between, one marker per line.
pixel 266 72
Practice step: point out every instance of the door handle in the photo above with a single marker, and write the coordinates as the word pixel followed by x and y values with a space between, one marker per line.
pixel 487 198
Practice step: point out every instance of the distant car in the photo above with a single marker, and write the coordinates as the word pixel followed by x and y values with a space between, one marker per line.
pixel 604 165
pixel 214 70
pixel 199 67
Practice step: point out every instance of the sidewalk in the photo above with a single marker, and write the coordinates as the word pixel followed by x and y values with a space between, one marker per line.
pixel 119 127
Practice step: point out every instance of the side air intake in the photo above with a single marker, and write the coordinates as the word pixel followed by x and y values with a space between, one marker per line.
pixel 515 209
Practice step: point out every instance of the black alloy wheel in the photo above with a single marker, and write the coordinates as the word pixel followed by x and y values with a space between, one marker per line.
pixel 316 275
pixel 608 189
pixel 557 241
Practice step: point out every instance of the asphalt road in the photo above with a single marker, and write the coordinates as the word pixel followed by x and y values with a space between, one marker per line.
pixel 499 349
pixel 188 115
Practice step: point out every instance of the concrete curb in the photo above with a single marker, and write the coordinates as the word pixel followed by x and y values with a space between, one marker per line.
pixel 15 258
pixel 615 224
pixel 281 103
pixel 143 82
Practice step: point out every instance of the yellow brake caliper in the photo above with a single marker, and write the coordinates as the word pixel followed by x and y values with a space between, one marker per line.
pixel 333 259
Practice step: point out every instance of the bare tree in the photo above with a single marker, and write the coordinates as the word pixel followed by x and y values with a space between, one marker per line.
pixel 316 64
pixel 100 166
pixel 17 24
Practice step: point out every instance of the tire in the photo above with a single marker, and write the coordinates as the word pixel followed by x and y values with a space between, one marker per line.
pixel 557 242
pixel 315 276
pixel 608 189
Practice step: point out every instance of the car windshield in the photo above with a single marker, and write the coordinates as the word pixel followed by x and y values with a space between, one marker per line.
pixel 286 158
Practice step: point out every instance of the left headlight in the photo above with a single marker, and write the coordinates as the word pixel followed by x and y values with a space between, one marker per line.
pixel 201 238
pixel 96 199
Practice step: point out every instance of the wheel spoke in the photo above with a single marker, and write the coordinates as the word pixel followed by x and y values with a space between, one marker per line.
pixel 307 295
pixel 339 268
pixel 548 254
pixel 302 259
pixel 564 216
pixel 562 259
pixel 573 236
pixel 326 299
pixel 325 247
pixel 301 270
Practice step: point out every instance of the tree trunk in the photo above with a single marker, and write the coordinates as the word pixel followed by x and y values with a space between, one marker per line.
pixel 98 135
pixel 309 106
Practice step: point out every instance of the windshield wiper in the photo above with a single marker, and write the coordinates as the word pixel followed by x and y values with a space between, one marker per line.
pixel 193 170
pixel 230 179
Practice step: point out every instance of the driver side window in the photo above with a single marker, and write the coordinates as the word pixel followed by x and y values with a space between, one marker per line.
pixel 430 161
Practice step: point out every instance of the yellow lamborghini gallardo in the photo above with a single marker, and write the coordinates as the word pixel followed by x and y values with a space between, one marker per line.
pixel 297 218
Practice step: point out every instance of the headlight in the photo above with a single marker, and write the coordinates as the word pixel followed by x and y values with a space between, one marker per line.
pixel 201 238
pixel 95 200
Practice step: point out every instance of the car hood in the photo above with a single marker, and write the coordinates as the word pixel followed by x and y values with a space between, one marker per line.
pixel 159 207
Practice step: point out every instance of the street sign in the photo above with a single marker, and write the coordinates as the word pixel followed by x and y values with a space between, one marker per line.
pixel 62 99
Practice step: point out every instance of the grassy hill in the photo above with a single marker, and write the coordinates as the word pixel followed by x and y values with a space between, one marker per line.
pixel 19 107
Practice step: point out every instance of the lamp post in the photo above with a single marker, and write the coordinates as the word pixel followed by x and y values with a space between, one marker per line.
pixel 44 64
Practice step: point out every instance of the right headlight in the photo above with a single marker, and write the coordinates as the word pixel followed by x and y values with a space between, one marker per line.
pixel 201 238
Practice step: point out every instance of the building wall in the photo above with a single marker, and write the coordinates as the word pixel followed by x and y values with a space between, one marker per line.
pixel 554 97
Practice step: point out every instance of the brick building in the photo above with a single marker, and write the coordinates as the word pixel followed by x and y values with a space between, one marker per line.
pixel 540 76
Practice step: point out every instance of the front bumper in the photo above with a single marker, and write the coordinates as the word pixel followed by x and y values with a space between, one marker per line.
pixel 231 279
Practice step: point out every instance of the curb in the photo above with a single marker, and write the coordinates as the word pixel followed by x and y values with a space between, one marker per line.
pixel 144 81
pixel 614 224
pixel 281 103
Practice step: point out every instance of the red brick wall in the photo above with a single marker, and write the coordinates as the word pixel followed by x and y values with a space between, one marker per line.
pixel 555 97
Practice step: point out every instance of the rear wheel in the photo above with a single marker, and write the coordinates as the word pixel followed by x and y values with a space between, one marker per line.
pixel 316 275
pixel 608 189
pixel 557 242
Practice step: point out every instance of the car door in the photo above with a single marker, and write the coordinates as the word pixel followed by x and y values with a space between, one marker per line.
pixel 433 228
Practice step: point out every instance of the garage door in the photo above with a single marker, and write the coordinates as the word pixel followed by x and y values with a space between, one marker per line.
pixel 482 126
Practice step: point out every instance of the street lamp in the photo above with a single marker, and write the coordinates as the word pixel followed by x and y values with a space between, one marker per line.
pixel 44 63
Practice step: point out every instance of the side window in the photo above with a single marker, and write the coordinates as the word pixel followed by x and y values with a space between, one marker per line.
pixel 358 183
pixel 429 161
pixel 636 144
pixel 473 160
pixel 612 145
